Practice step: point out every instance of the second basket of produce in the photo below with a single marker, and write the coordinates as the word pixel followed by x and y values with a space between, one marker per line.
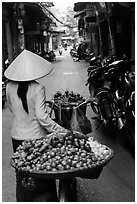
pixel 63 104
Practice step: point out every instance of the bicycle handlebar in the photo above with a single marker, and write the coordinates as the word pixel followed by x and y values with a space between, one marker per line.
pixel 52 103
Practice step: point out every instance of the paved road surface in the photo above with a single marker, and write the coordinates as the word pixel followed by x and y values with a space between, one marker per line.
pixel 117 181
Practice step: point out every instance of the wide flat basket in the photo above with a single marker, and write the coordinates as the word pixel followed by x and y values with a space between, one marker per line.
pixel 92 172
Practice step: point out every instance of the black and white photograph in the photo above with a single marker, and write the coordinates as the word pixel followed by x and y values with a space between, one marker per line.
pixel 68 101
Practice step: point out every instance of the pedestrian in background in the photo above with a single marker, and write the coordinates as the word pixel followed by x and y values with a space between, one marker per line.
pixel 26 99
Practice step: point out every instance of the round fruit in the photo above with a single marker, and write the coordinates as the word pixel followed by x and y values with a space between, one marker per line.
pixel 60 167
pixel 50 147
pixel 70 137
pixel 78 165
pixel 54 143
pixel 59 145
pixel 74 163
pixel 69 142
pixel 53 165
pixel 52 154
pixel 48 168
pixel 64 163
pixel 69 161
pixel 69 153
pixel 76 157
pixel 57 162
pixel 49 157
pixel 54 169
pixel 67 167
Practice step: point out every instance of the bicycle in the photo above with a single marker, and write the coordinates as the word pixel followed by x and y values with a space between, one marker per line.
pixel 67 188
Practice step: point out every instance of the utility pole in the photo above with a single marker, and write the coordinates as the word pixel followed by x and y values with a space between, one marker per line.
pixel 110 31
pixel 100 38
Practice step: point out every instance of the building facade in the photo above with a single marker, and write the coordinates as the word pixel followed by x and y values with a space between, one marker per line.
pixel 107 28
pixel 27 25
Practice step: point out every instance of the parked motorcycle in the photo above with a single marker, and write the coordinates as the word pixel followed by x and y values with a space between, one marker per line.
pixel 126 104
pixel 85 55
pixel 96 61
pixel 104 82
pixel 102 99
pixel 52 55
pixel 74 54
pixel 48 55
pixel 104 107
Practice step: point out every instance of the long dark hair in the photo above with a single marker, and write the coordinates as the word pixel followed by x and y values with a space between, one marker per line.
pixel 22 93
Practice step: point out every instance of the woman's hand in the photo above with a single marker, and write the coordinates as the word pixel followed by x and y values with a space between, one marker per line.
pixel 79 134
pixel 64 132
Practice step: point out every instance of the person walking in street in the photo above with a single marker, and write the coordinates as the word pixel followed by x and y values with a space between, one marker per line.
pixel 26 99
pixel 60 49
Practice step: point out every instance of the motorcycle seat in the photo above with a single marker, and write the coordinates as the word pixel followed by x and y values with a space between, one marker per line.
pixel 115 63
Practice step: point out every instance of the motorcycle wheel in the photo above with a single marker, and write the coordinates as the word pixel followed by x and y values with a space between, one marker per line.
pixel 67 190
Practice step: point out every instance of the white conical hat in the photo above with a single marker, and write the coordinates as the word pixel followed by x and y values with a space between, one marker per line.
pixel 28 66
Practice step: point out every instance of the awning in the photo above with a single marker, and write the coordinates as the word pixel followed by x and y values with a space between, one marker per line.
pixel 45 10
pixel 80 13
pixel 67 38
pixel 56 31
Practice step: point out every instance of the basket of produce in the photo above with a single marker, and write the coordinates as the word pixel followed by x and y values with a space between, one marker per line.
pixel 59 157
pixel 68 98
pixel 63 104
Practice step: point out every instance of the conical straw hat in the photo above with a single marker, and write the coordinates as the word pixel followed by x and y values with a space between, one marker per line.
pixel 28 66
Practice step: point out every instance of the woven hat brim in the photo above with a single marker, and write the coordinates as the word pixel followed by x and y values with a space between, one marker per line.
pixel 28 66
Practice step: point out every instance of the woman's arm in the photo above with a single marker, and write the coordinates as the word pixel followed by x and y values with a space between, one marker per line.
pixel 42 114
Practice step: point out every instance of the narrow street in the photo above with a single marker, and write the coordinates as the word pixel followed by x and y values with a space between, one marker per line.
pixel 117 180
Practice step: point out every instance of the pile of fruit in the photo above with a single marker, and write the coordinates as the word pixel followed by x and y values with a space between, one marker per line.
pixel 68 97
pixel 59 153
